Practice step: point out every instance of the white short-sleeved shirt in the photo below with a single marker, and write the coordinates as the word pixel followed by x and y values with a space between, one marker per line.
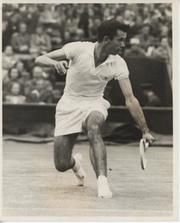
pixel 83 78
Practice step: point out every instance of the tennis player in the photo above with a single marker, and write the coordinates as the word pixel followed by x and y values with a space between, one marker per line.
pixel 89 67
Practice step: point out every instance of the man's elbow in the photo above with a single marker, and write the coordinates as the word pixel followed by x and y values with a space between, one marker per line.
pixel 38 60
pixel 131 101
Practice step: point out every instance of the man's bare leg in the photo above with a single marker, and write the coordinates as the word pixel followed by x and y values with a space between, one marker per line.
pixel 91 155
pixel 63 159
pixel 98 155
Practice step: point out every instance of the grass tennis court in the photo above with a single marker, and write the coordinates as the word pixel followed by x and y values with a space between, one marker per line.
pixel 33 188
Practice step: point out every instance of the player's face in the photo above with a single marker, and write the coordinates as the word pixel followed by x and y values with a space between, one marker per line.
pixel 117 44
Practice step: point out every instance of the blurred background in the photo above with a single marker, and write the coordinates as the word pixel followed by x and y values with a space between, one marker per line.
pixel 31 92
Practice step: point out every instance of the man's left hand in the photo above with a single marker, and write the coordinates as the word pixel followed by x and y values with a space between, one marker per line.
pixel 148 137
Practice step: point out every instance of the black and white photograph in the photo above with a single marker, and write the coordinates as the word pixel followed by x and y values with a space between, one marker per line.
pixel 88 103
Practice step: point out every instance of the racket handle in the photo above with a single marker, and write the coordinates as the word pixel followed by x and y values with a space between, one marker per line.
pixel 146 144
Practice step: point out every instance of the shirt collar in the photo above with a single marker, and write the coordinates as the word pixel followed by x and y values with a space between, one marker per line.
pixel 91 49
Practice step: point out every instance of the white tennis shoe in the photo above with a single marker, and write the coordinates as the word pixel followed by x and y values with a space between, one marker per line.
pixel 78 169
pixel 103 187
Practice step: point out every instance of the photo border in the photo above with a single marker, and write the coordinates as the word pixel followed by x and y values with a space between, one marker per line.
pixel 175 27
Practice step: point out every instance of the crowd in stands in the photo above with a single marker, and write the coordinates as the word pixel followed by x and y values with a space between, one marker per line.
pixel 29 30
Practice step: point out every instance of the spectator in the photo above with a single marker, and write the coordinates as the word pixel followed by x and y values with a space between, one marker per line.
pixel 59 10
pixel 10 24
pixel 107 13
pixel 13 76
pixel 145 37
pixel 31 17
pixel 45 90
pixel 8 58
pixel 119 18
pixel 15 96
pixel 129 17
pixel 25 82
pixel 84 21
pixel 5 34
pixel 34 53
pixel 48 15
pixel 21 41
pixel 67 37
pixel 77 35
pixel 163 51
pixel 152 47
pixel 93 26
pixel 40 90
pixel 55 35
pixel 135 49
pixel 20 67
pixel 25 78
pixel 40 40
pixel 164 31
pixel 72 25
pixel 136 28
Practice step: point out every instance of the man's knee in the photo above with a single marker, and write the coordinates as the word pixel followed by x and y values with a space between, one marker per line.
pixel 93 126
pixel 93 132
pixel 61 165
pixel 61 156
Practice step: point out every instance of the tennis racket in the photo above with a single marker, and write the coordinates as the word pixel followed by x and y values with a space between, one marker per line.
pixel 143 146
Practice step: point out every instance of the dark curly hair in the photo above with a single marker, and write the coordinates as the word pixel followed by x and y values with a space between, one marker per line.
pixel 109 28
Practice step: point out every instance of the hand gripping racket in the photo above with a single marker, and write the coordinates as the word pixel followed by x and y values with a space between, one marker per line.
pixel 143 146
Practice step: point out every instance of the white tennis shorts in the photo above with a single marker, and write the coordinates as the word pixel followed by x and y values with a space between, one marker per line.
pixel 71 113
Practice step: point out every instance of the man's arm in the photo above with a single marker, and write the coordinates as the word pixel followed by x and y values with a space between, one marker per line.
pixel 55 59
pixel 134 108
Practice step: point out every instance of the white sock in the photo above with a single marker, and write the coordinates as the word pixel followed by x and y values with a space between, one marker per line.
pixel 103 187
